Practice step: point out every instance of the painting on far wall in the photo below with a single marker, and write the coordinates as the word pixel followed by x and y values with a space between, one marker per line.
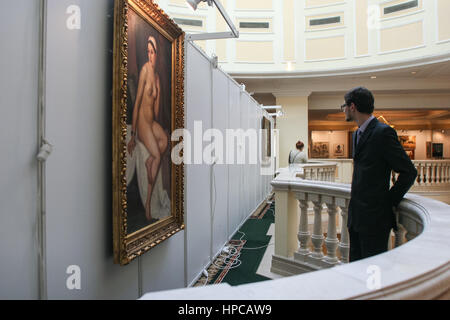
pixel 320 150
pixel 338 150
pixel 409 144
pixel 428 148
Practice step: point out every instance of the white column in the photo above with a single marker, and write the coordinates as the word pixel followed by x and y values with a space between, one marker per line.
pixel 293 126
pixel 286 223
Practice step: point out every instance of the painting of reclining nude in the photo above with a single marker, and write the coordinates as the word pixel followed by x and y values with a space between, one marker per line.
pixel 148 209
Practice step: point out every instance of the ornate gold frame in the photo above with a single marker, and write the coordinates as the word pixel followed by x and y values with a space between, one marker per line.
pixel 130 246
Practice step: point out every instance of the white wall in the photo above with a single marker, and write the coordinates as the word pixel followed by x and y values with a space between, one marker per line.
pixel 18 142
pixel 78 182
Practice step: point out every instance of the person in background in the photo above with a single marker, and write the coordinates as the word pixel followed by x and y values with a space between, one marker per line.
pixel 297 155
pixel 376 152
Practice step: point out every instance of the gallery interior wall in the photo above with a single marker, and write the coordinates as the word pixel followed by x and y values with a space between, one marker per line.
pixel 78 182
pixel 18 141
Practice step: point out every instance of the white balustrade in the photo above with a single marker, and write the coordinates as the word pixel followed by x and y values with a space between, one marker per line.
pixel 315 170
pixel 325 198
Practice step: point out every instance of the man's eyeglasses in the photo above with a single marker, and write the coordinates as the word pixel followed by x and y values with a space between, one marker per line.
pixel 343 107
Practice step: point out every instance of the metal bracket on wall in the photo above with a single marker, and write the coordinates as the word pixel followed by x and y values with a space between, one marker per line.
pixel 214 35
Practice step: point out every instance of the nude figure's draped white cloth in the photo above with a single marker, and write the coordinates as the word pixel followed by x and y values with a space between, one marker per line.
pixel 160 202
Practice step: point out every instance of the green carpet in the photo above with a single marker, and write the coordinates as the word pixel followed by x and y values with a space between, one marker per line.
pixel 249 245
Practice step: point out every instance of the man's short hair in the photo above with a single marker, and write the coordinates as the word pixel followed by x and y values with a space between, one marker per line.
pixel 362 98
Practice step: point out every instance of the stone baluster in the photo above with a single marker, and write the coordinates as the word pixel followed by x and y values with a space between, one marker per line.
pixel 400 233
pixel 421 173
pixel 447 172
pixel 416 182
pixel 428 174
pixel 331 241
pixel 317 236
pixel 344 244
pixel 437 174
pixel 303 233
pixel 307 173
pixel 433 174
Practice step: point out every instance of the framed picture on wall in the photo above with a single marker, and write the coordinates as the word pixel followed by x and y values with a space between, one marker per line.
pixel 437 150
pixel 338 150
pixel 148 105
pixel 409 144
pixel 428 149
pixel 320 150
pixel 266 138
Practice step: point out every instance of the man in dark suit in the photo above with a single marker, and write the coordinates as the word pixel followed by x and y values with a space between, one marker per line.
pixel 376 151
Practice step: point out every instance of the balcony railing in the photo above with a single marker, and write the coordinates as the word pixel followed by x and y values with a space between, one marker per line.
pixel 319 250
pixel 430 173
pixel 417 268
pixel 314 170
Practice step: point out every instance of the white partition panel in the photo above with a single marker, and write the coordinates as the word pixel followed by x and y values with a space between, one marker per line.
pixel 220 170
pixel 198 176
pixel 18 142
pixel 234 174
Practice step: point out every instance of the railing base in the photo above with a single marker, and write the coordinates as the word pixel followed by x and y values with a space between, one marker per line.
pixel 300 263
pixel 289 267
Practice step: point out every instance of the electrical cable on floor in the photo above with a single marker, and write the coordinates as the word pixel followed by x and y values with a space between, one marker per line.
pixel 230 259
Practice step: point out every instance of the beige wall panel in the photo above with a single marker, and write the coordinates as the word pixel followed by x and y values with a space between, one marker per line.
pixel 401 12
pixel 443 20
pixel 325 48
pixel 201 44
pixel 254 4
pixel 179 2
pixel 289 30
pixel 361 29
pixel 254 51
pixel 402 37
pixel 221 26
pixel 316 3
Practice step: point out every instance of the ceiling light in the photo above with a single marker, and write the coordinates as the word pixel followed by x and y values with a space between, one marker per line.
pixel 373 77
pixel 193 4
pixel 413 72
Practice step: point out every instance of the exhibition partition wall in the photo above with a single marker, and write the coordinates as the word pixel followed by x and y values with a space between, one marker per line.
pixel 219 197
pixel 78 260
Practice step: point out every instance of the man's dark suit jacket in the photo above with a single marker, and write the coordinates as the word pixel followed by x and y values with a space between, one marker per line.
pixel 377 153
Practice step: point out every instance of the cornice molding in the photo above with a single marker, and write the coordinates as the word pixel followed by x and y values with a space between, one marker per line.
pixel 411 63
